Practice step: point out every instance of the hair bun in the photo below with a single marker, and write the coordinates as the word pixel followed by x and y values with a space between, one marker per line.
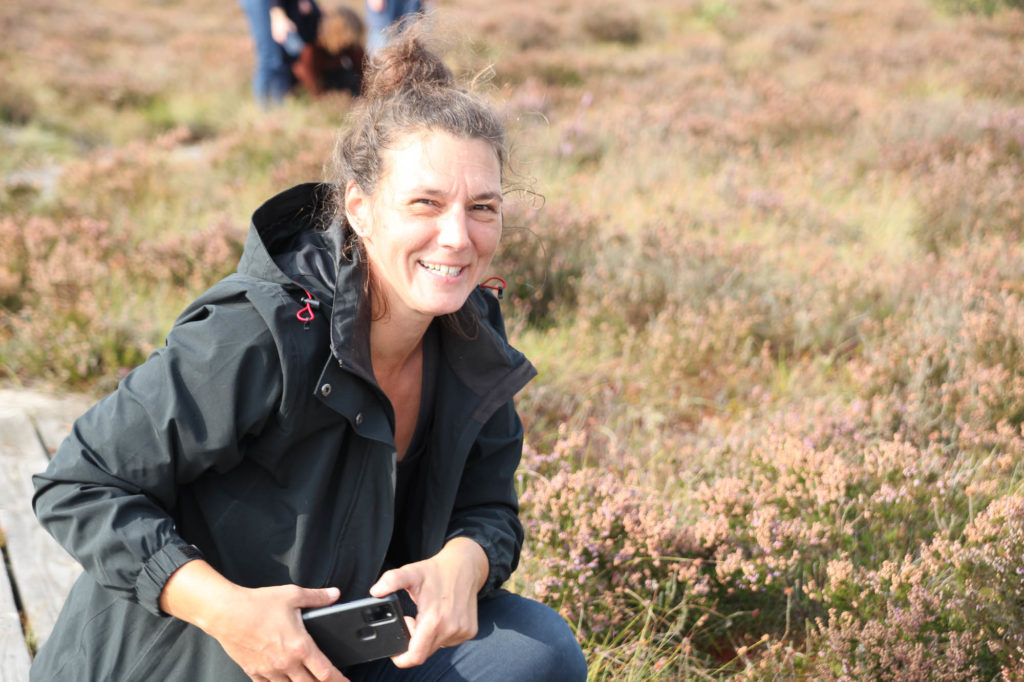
pixel 404 64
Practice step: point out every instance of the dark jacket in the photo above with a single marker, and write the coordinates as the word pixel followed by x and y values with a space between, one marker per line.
pixel 264 444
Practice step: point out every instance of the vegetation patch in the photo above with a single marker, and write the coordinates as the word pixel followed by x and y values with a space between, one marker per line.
pixel 766 255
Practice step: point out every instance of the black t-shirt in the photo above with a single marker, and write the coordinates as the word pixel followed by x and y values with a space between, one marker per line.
pixel 409 466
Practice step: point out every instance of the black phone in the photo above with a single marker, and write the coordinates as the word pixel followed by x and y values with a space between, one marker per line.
pixel 359 631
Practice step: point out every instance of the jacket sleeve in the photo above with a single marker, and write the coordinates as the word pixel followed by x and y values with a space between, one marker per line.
pixel 109 493
pixel 486 506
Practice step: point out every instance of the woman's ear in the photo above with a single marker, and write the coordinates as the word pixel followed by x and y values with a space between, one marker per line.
pixel 357 209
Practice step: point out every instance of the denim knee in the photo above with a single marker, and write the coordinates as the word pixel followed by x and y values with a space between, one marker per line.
pixel 538 646
pixel 519 640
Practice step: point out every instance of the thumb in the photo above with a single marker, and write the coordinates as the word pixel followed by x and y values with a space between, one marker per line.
pixel 391 581
pixel 321 597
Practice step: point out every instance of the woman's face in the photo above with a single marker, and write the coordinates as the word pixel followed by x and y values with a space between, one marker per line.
pixel 433 223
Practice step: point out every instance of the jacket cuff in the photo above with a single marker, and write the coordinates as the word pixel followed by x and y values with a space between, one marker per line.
pixel 158 569
pixel 497 570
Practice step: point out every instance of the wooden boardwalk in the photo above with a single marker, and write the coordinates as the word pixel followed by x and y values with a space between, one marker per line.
pixel 37 573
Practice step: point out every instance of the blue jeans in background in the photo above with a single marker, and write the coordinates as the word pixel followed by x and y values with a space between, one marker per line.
pixel 271 77
pixel 378 23
pixel 519 640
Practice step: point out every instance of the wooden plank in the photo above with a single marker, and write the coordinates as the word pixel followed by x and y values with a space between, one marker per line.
pixel 42 571
pixel 52 430
pixel 14 658
pixel 51 413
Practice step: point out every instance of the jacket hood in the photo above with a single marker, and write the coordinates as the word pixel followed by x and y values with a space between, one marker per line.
pixel 293 242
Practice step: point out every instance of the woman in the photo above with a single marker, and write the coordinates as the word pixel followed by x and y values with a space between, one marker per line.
pixel 334 419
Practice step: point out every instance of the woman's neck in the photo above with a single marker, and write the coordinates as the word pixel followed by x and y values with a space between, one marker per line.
pixel 397 355
pixel 395 344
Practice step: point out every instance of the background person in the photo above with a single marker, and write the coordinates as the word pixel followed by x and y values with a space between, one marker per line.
pixel 335 419
pixel 279 30
pixel 271 78
pixel 385 17
pixel 334 62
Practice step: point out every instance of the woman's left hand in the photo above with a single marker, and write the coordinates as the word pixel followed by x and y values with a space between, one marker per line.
pixel 445 589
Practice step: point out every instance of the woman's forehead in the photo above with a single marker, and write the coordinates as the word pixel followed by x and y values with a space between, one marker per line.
pixel 436 159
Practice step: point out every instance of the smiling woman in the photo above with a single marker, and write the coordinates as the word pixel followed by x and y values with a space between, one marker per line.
pixel 312 430
pixel 434 224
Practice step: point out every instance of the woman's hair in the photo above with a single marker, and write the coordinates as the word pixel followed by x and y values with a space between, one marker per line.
pixel 406 89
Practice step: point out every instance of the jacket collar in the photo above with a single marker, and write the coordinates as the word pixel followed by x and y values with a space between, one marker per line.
pixel 289 245
pixel 479 356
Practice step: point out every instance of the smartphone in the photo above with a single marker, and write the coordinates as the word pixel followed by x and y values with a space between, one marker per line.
pixel 359 631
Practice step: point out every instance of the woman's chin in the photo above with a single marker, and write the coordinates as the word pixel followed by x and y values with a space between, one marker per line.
pixel 439 308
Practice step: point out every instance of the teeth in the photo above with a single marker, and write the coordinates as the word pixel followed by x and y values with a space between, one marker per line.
pixel 446 270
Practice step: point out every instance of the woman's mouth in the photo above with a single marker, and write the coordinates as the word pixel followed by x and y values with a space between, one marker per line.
pixel 443 270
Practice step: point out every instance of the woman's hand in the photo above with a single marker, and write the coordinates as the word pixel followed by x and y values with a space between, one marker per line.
pixel 445 589
pixel 260 629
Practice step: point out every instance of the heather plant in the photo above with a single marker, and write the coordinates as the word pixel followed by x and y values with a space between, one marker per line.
pixel 613 23
pixel 975 195
pixel 951 356
pixel 951 613
pixel 543 253
pixel 617 547
pixel 77 293
pixel 617 562
pixel 777 530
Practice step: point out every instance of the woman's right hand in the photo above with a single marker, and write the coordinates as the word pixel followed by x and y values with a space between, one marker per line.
pixel 260 629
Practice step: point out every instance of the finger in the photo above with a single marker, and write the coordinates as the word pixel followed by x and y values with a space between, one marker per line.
pixel 392 581
pixel 410 624
pixel 337 677
pixel 276 677
pixel 321 668
pixel 423 642
pixel 300 674
pixel 315 598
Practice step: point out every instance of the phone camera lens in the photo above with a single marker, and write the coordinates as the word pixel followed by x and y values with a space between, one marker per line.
pixel 378 614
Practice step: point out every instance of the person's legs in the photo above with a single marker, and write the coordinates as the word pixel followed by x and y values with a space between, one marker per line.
pixel 378 23
pixel 271 78
pixel 519 639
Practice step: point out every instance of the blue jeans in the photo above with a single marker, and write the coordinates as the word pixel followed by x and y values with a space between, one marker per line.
pixel 519 640
pixel 271 76
pixel 378 23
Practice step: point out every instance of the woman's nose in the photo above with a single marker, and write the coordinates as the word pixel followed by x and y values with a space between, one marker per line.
pixel 453 229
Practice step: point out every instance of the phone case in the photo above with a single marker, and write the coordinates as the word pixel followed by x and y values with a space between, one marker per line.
pixel 359 631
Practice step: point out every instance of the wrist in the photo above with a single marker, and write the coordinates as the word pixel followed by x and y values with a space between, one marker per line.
pixel 473 557
pixel 195 593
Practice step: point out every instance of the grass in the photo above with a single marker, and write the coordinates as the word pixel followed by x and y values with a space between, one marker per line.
pixel 773 289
